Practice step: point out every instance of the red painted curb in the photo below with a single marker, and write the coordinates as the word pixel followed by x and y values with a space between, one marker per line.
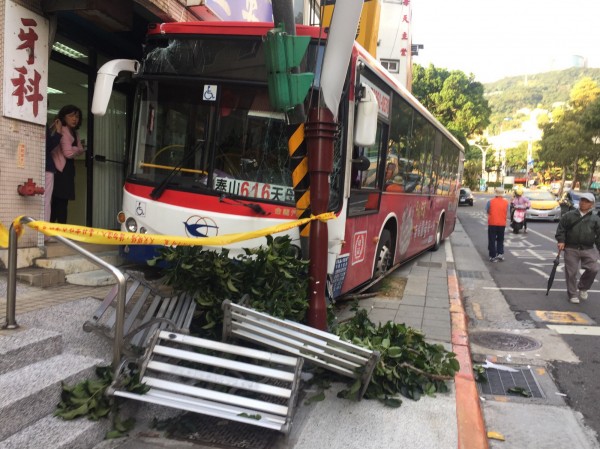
pixel 469 416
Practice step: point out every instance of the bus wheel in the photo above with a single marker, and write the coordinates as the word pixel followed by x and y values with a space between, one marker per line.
pixel 385 254
pixel 439 232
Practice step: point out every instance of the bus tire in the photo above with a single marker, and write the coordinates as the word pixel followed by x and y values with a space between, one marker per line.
pixel 439 232
pixel 385 254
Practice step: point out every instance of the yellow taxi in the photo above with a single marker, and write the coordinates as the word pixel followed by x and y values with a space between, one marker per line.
pixel 543 205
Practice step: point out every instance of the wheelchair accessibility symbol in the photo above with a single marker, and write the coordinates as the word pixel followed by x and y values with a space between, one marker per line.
pixel 140 209
pixel 210 92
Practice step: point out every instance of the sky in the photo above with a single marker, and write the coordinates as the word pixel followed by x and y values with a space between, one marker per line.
pixel 493 39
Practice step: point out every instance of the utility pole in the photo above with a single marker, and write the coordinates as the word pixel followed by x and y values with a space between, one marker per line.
pixel 483 150
pixel 318 135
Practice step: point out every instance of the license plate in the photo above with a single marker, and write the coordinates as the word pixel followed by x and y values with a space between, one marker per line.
pixel 543 214
pixel 462 200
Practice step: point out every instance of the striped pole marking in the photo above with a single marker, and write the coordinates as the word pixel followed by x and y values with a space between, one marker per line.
pixel 300 176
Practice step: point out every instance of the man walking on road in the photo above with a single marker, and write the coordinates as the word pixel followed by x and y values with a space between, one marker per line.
pixel 577 233
pixel 496 209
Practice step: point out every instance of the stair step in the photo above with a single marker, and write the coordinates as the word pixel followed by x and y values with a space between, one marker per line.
pixel 41 277
pixel 24 346
pixel 96 278
pixel 56 433
pixel 57 249
pixel 32 392
pixel 77 263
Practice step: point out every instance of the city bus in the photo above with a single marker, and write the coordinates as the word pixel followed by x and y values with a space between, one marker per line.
pixel 209 155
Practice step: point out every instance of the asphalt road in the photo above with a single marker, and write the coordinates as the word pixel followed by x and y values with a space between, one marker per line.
pixel 522 278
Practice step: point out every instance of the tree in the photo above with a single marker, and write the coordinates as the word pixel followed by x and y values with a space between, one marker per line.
pixel 471 174
pixel 584 92
pixel 563 143
pixel 567 139
pixel 454 98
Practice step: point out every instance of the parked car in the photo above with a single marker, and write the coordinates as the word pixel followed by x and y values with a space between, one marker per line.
pixel 465 197
pixel 570 200
pixel 543 206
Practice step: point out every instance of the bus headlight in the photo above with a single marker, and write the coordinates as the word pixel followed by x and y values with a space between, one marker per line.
pixel 143 230
pixel 131 225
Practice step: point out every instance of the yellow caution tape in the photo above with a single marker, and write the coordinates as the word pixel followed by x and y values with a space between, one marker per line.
pixel 108 237
pixel 495 436
pixel 3 236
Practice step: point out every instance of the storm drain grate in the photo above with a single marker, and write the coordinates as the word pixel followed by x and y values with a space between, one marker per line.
pixel 470 274
pixel 219 432
pixel 429 264
pixel 500 381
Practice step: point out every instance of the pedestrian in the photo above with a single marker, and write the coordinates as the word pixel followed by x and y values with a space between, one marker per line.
pixel 520 201
pixel 53 136
pixel 497 210
pixel 577 233
pixel 63 155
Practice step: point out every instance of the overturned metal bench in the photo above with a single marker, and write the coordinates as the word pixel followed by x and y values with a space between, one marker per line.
pixel 321 348
pixel 262 386
pixel 147 309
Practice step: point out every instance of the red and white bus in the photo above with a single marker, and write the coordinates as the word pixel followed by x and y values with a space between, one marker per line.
pixel 210 156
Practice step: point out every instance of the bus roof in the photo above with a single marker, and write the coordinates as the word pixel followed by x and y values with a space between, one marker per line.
pixel 315 32
pixel 409 97
pixel 229 28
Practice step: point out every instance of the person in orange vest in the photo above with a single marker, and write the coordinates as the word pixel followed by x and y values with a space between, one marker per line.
pixel 497 210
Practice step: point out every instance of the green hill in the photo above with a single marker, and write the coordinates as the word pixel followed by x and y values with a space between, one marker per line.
pixel 541 90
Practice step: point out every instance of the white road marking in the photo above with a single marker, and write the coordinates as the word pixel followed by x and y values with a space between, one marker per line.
pixel 569 329
pixel 531 231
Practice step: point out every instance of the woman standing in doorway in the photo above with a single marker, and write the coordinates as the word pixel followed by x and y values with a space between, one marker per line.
pixel 64 178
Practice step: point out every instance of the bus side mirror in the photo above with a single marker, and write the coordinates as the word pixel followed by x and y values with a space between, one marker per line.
pixel 104 82
pixel 362 163
pixel 365 124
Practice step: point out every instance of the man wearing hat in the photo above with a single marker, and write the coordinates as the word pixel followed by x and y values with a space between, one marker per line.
pixel 497 209
pixel 577 233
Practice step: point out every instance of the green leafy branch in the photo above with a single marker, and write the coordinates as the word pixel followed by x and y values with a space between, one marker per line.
pixel 273 276
pixel 409 366
pixel 88 398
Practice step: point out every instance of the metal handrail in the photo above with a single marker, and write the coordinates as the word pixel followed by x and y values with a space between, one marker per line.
pixel 11 292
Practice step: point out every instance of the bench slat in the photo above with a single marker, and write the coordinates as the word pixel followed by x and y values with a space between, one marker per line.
pixel 317 354
pixel 216 396
pixel 333 339
pixel 296 339
pixel 265 341
pixel 205 407
pixel 135 311
pixel 220 379
pixel 223 363
pixel 230 349
pixel 130 292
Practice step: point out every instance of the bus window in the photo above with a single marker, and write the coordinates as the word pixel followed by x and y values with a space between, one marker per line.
pixel 365 184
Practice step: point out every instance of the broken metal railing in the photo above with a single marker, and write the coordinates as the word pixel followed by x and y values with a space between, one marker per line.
pixel 11 292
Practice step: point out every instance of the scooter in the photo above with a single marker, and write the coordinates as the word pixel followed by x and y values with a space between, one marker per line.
pixel 518 220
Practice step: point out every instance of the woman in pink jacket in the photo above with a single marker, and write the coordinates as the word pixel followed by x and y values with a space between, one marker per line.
pixel 64 179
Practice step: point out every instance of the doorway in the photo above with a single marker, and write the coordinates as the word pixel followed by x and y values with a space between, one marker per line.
pixel 68 86
pixel 99 172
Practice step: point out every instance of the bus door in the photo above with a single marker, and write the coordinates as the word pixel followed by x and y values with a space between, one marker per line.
pixel 364 219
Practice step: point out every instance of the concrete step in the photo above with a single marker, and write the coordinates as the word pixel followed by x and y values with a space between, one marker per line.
pixel 32 392
pixel 51 432
pixel 58 249
pixel 41 277
pixel 23 346
pixel 96 278
pixel 77 263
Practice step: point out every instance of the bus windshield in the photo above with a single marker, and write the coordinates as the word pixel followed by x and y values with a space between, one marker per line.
pixel 210 136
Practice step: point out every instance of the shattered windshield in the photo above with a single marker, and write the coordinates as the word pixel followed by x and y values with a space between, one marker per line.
pixel 205 136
